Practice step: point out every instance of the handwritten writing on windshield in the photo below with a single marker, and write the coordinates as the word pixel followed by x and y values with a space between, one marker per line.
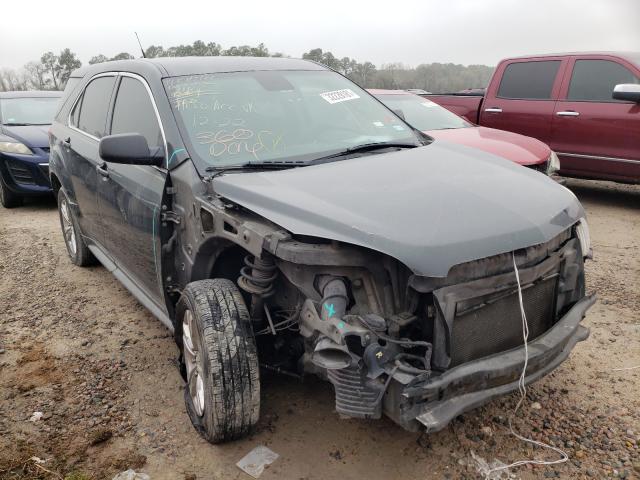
pixel 241 140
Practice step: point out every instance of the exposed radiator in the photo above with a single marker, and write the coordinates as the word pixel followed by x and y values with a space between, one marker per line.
pixel 497 326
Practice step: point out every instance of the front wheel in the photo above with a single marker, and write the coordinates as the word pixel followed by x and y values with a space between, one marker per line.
pixel 8 199
pixel 219 360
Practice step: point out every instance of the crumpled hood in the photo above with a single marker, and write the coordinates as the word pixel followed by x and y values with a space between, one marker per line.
pixel 430 208
pixel 36 136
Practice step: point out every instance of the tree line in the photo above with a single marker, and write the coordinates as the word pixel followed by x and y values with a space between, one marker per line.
pixel 52 70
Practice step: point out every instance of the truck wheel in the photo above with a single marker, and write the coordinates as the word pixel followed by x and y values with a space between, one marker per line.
pixel 7 197
pixel 219 360
pixel 77 249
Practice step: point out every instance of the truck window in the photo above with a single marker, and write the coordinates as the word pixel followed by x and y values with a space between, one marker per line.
pixel 529 80
pixel 594 80
pixel 133 112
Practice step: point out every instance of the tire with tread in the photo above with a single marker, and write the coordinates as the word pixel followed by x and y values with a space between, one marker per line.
pixel 9 199
pixel 83 256
pixel 229 359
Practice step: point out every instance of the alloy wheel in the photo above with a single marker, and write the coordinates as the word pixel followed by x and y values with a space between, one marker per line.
pixel 193 361
pixel 67 228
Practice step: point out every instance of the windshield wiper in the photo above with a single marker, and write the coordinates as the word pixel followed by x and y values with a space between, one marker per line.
pixel 366 147
pixel 18 124
pixel 251 166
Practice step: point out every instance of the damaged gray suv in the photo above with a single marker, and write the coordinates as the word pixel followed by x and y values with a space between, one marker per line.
pixel 277 217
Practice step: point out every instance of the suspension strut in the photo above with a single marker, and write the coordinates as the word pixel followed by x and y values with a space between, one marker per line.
pixel 256 278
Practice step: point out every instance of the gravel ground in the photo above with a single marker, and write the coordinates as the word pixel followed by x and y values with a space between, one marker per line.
pixel 78 348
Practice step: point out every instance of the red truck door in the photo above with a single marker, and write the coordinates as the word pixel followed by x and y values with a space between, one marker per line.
pixel 593 134
pixel 522 96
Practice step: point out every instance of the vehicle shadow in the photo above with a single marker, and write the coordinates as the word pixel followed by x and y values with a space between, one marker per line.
pixel 606 193
pixel 45 202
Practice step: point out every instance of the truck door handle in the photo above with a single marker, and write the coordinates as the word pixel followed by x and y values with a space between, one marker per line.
pixel 493 110
pixel 102 170
pixel 568 113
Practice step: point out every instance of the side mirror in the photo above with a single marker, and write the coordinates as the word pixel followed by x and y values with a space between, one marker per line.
pixel 398 112
pixel 629 92
pixel 129 148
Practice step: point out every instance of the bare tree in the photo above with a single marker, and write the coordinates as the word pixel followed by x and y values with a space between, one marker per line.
pixel 37 75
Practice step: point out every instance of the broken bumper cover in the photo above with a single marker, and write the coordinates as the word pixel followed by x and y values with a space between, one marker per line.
pixel 435 402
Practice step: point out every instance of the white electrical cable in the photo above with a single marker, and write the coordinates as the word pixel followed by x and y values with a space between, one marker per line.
pixel 523 392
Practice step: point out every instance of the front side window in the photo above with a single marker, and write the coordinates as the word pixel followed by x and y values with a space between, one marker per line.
pixel 594 80
pixel 278 116
pixel 28 111
pixel 93 107
pixel 133 112
pixel 529 80
pixel 423 114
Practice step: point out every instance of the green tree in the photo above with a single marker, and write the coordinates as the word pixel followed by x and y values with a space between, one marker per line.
pixel 50 62
pixel 98 59
pixel 315 55
pixel 155 51
pixel 123 56
pixel 201 49
pixel 67 62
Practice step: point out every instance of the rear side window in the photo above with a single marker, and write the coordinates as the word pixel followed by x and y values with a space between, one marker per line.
pixel 92 117
pixel 133 112
pixel 594 80
pixel 529 80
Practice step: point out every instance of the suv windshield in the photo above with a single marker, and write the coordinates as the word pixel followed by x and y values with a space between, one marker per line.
pixel 423 114
pixel 278 116
pixel 28 111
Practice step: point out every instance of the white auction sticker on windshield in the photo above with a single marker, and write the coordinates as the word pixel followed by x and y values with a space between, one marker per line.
pixel 338 96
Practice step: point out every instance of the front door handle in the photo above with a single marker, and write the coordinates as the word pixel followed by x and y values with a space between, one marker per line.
pixel 568 113
pixel 493 110
pixel 102 170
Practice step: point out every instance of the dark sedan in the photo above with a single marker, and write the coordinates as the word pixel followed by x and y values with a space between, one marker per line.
pixel 25 118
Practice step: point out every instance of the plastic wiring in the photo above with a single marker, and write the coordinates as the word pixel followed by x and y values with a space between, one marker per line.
pixel 523 392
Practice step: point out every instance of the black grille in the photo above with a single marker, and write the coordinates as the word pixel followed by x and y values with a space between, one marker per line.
pixel 21 174
pixel 497 325
pixel 45 170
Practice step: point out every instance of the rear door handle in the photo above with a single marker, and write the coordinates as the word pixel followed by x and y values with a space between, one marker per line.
pixel 102 170
pixel 493 110
pixel 568 113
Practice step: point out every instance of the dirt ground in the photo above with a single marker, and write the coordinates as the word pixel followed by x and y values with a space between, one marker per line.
pixel 85 353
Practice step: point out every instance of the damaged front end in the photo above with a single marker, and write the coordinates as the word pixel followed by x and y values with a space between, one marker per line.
pixel 420 350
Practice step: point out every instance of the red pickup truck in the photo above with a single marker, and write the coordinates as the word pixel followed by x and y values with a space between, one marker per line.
pixel 585 106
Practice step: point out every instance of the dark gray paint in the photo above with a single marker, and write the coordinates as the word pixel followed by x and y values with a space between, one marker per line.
pixel 431 207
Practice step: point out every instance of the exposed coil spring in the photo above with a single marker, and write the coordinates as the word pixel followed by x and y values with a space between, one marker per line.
pixel 257 276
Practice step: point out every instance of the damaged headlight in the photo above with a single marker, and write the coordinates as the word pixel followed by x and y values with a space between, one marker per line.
pixel 553 163
pixel 582 230
pixel 15 147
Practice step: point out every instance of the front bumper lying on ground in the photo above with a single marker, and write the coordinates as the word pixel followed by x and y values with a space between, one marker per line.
pixel 434 403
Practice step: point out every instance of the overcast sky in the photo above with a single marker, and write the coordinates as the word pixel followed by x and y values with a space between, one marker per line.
pixel 408 31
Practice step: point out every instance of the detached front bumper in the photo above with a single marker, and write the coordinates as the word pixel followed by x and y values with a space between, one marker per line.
pixel 436 401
